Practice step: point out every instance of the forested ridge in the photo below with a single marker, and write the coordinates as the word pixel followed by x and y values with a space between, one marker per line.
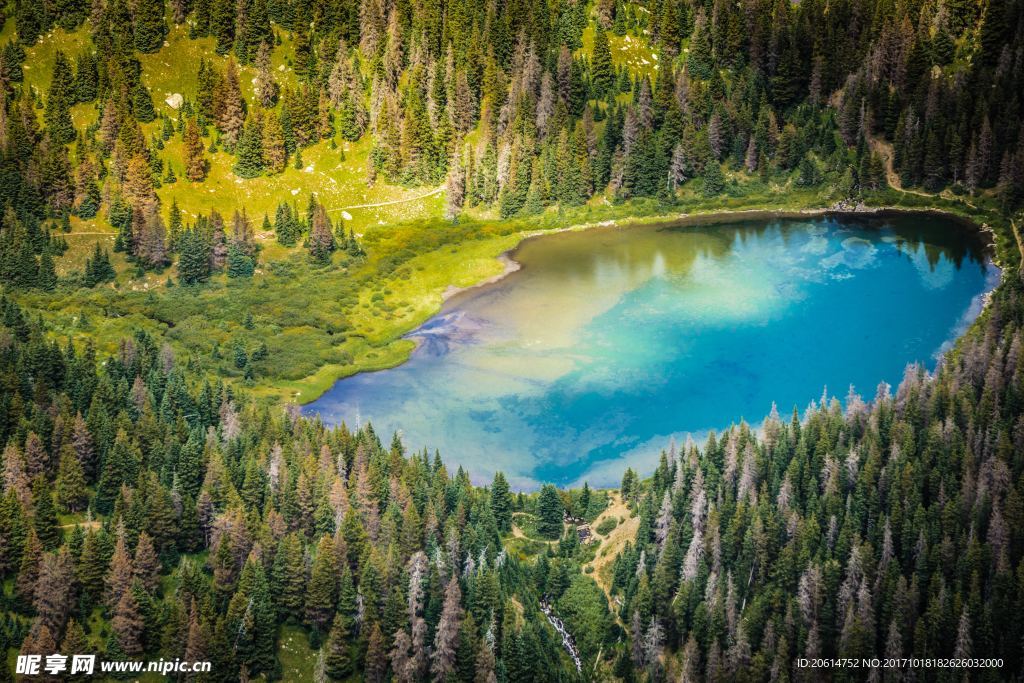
pixel 156 504
pixel 514 106
pixel 211 527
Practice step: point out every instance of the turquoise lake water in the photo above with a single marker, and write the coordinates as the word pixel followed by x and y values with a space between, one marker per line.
pixel 610 342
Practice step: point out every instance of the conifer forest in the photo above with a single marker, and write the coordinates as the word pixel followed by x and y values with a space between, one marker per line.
pixel 217 216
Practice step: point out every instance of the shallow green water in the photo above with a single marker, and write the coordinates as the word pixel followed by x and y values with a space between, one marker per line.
pixel 610 342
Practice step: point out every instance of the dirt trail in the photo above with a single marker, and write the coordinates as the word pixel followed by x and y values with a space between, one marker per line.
pixel 518 533
pixel 94 524
pixel 884 150
pixel 437 190
pixel 1020 243
pixel 614 542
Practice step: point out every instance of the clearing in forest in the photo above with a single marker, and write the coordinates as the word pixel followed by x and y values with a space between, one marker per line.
pixel 613 543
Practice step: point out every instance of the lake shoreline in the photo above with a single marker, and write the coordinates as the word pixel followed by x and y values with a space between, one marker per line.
pixel 508 349
pixel 510 265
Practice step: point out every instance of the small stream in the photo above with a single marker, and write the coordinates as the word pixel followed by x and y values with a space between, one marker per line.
pixel 567 641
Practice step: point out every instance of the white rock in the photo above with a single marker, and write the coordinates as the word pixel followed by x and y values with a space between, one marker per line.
pixel 308 169
pixel 346 215
pixel 295 192
pixel 175 100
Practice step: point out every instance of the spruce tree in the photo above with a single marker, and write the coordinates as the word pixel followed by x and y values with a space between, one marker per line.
pixel 321 238
pixel 45 522
pixel 239 264
pixel 714 179
pixel 602 71
pixel 229 107
pixel 47 278
pixel 142 103
pixel 288 578
pixel 321 592
pixel 195 161
pixel 193 259
pixel 222 24
pixel 150 27
pixel 120 466
pixel 59 98
pixel 71 492
pixel 550 511
pixel 338 660
pixel 128 624
pixel 501 502
pixel 249 152
pixel 275 156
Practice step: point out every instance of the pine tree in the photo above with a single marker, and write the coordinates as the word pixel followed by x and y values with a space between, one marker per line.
pixel 700 61
pixel 45 520
pixel 194 160
pixel 266 86
pixel 714 179
pixel 288 578
pixel 85 450
pixel 447 633
pixel 86 77
pixel 119 576
pixel 151 243
pixel 549 512
pixel 71 492
pixel 321 237
pixel 146 564
pixel 376 656
pixel 501 502
pixel 120 466
pixel 174 225
pixel 251 609
pixel 28 569
pixel 321 592
pixel 59 98
pixel 222 24
pixel 455 188
pixel 229 107
pixel 239 264
pixel 127 624
pixel 47 277
pixel 53 591
pixel 249 152
pixel 338 661
pixel 142 103
pixel 275 156
pixel 602 71
pixel 194 259
pixel 75 641
pixel 150 27
pixel 87 192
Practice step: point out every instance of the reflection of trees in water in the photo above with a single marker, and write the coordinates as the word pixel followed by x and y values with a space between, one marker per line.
pixel 605 262
pixel 633 253
pixel 935 236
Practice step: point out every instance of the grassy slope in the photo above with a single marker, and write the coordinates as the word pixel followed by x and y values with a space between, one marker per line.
pixel 323 324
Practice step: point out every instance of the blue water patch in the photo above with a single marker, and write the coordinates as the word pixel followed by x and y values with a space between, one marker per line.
pixel 610 342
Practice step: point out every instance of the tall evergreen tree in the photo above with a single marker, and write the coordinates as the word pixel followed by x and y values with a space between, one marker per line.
pixel 59 98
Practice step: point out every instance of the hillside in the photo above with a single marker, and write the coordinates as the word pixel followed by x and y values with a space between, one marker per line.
pixel 214 209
